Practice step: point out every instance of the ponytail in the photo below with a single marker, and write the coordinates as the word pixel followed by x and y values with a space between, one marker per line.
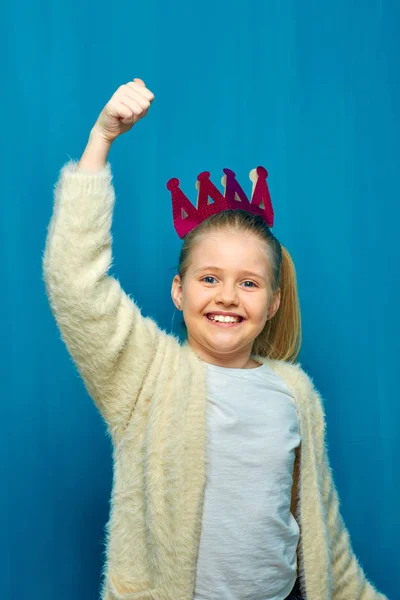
pixel 281 337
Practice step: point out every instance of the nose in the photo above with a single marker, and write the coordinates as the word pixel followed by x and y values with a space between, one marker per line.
pixel 227 295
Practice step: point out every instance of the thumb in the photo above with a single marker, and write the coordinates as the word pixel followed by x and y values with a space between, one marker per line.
pixel 139 81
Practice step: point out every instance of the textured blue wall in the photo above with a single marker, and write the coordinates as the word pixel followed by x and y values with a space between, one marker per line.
pixel 308 89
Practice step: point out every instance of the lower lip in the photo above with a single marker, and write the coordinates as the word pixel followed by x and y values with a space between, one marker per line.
pixel 219 324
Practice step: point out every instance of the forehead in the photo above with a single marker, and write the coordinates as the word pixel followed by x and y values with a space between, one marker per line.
pixel 231 251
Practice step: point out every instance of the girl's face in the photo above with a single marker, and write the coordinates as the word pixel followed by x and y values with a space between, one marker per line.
pixel 229 272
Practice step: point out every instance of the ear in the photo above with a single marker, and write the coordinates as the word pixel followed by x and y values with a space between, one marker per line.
pixel 176 291
pixel 274 304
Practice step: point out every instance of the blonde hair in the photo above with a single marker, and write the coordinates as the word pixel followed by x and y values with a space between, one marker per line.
pixel 281 337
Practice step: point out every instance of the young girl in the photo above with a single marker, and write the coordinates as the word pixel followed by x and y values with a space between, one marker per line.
pixel 222 484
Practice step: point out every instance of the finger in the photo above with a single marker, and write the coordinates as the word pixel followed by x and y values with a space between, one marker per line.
pixel 122 111
pixel 141 90
pixel 133 105
pixel 134 96
pixel 128 93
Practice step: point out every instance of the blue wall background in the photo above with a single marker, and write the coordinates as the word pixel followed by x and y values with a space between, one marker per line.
pixel 308 89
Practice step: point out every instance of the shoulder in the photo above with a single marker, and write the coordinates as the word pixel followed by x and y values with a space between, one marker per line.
pixel 293 373
pixel 299 380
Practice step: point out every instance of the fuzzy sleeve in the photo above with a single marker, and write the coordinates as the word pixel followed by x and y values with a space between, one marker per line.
pixel 349 579
pixel 109 340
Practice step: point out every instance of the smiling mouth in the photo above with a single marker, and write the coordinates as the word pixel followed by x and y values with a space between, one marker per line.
pixel 225 323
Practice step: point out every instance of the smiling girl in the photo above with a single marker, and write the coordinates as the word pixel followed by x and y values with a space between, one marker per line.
pixel 222 486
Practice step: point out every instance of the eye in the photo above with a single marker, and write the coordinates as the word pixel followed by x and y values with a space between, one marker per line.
pixel 210 277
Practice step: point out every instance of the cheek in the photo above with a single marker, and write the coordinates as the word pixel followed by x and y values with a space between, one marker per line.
pixel 257 308
pixel 200 295
pixel 196 299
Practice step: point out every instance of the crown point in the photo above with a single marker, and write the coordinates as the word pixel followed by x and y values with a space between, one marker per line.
pixel 203 176
pixel 253 175
pixel 262 172
pixel 258 172
pixel 173 184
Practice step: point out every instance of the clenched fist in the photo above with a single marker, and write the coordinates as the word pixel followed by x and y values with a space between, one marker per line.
pixel 126 107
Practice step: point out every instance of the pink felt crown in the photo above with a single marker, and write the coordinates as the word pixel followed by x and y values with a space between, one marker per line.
pixel 187 217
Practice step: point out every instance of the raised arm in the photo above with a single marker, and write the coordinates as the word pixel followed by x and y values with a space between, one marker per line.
pixel 109 340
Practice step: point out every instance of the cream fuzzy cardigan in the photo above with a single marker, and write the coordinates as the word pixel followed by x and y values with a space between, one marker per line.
pixel 151 392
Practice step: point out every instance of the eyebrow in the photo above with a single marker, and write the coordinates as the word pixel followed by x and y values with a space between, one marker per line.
pixel 242 272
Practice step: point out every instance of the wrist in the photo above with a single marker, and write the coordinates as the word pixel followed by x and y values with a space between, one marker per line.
pixel 97 140
pixel 96 152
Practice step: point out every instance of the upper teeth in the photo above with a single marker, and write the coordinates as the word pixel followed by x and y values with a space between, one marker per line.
pixel 223 318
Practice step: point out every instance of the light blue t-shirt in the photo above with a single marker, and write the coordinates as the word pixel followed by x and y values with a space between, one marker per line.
pixel 249 536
